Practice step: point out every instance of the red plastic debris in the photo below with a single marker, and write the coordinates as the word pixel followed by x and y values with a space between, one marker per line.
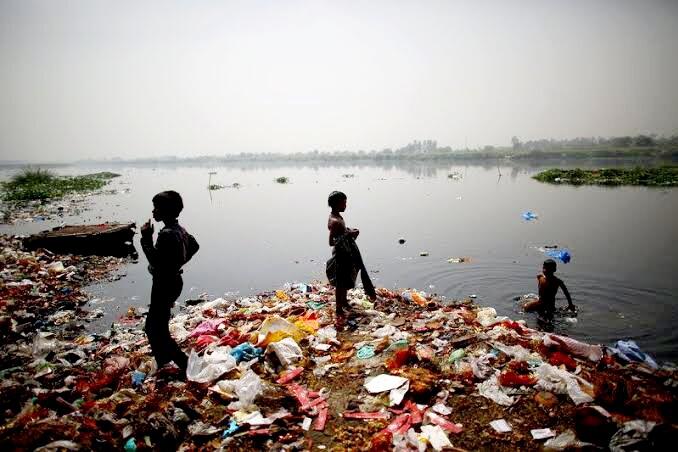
pixel 398 423
pixel 315 402
pixel 416 415
pixel 321 420
pixel 366 415
pixel 443 423
pixel 400 358
pixel 558 358
pixel 300 393
pixel 510 378
pixel 382 441
pixel 204 340
pixel 289 375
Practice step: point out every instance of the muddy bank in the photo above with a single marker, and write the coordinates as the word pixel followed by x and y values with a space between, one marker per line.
pixel 271 371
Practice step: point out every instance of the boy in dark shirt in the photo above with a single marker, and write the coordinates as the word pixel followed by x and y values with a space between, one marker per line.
pixel 173 248
pixel 548 286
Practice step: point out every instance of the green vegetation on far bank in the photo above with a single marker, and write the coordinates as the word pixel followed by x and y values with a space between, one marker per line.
pixel 664 176
pixel 39 184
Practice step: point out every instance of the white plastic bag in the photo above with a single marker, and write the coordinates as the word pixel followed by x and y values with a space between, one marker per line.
pixel 560 381
pixel 287 351
pixel 246 388
pixel 211 366
pixel 516 351
pixel 44 343
pixel 481 366
pixel 398 386
pixel 565 440
pixel 436 436
pixel 487 316
pixel 490 389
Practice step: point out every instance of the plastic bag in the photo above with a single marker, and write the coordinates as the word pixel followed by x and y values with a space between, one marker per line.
pixel 490 389
pixel 487 316
pixel 632 436
pixel 246 352
pixel 115 364
pixel 529 216
pixel 207 327
pixel 327 334
pixel 560 381
pixel 481 366
pixel 629 351
pixel 398 386
pixel 588 351
pixel 436 436
pixel 43 344
pixel 211 366
pixel 515 351
pixel 563 255
pixel 287 351
pixel 275 329
pixel 565 440
pixel 246 388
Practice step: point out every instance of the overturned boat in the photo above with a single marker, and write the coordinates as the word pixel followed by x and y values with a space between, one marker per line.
pixel 106 239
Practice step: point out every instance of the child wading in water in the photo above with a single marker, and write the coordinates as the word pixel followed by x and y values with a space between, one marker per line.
pixel 173 248
pixel 345 263
pixel 548 286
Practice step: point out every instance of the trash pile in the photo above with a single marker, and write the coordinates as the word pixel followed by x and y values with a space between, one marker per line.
pixel 37 211
pixel 42 290
pixel 45 210
pixel 409 372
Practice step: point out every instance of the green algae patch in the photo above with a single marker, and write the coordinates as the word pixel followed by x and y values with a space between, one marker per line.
pixel 39 184
pixel 662 176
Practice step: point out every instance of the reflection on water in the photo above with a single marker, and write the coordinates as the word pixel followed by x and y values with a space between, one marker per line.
pixel 263 234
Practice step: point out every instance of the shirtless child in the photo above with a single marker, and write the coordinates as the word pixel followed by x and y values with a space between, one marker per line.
pixel 346 263
pixel 548 286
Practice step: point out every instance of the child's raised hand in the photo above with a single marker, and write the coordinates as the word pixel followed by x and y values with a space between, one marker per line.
pixel 147 229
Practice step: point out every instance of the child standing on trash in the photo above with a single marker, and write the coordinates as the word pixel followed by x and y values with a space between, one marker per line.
pixel 173 248
pixel 346 261
pixel 549 284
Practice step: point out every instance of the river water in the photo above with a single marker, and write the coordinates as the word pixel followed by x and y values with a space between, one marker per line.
pixel 264 234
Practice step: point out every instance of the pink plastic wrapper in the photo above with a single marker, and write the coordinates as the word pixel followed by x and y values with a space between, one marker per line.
pixel 206 327
pixel 321 420
pixel 315 402
pixel 400 424
pixel 300 393
pixel 290 375
pixel 567 344
pixel 442 422
pixel 416 415
pixel 366 415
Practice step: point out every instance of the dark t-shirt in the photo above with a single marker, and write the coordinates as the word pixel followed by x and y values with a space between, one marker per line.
pixel 173 248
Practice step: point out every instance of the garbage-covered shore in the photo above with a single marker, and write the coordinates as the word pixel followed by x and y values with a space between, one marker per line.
pixel 409 372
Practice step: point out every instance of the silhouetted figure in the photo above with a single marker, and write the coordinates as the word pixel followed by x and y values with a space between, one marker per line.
pixel 548 287
pixel 173 248
pixel 346 261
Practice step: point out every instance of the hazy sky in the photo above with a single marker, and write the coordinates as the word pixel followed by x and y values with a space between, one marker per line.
pixel 93 79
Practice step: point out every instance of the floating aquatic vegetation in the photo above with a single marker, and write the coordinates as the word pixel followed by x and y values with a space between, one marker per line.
pixel 38 184
pixel 666 176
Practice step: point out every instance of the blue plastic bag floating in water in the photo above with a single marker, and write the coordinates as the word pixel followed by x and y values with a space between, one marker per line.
pixel 629 351
pixel 563 255
pixel 529 216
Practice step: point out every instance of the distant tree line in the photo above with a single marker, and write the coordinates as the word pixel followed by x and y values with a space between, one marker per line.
pixel 594 142
pixel 580 147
